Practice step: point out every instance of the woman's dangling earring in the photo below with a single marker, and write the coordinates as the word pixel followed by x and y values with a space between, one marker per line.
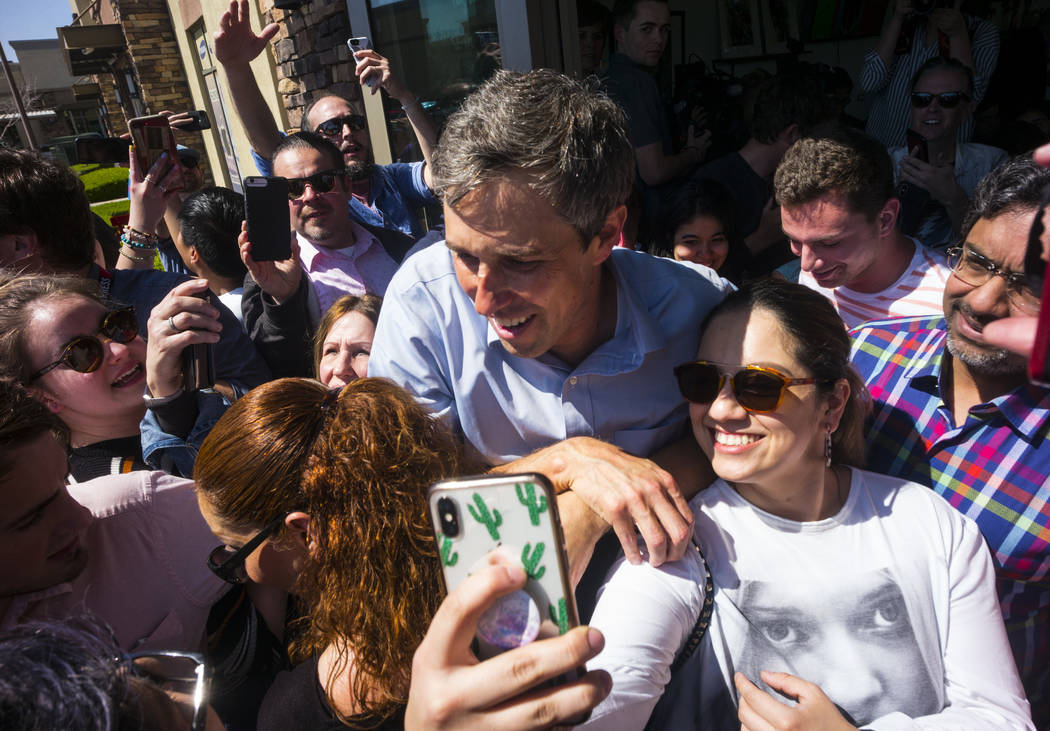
pixel 827 447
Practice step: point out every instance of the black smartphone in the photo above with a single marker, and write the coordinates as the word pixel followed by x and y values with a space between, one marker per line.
pixel 266 213
pixel 101 150
pixel 917 146
pixel 198 121
pixel 198 362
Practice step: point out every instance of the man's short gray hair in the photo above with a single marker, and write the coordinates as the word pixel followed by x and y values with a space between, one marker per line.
pixel 568 139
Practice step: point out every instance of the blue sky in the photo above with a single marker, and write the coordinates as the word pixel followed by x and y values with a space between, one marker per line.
pixel 32 19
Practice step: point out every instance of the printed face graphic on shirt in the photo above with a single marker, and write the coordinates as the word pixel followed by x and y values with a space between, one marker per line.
pixel 856 643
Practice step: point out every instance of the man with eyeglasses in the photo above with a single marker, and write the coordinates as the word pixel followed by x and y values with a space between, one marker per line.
pixel 129 548
pixel 953 412
pixel 839 212
pixel 936 174
pixel 380 195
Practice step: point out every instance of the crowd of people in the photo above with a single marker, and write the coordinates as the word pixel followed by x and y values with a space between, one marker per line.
pixel 801 472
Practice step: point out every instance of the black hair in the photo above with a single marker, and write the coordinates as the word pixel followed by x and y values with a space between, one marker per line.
pixel 708 198
pixel 22 420
pixel 311 141
pixel 817 338
pixel 210 222
pixel 1015 186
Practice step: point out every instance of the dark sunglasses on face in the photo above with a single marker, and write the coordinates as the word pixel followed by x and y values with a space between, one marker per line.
pixel 228 565
pixel 322 182
pixel 188 162
pixel 947 100
pixel 85 353
pixel 756 388
pixel 334 126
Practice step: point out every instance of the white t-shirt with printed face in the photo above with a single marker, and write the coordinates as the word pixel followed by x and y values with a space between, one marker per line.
pixel 888 606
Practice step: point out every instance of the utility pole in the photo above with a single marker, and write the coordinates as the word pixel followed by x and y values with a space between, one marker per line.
pixel 17 96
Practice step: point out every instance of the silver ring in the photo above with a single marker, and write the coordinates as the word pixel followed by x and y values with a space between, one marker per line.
pixel 171 324
pixel 148 178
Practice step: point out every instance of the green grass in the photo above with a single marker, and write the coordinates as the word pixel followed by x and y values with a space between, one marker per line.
pixel 105 210
pixel 103 184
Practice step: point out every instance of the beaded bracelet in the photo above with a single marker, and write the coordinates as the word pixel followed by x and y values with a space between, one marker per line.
pixel 124 239
pixel 404 107
pixel 141 238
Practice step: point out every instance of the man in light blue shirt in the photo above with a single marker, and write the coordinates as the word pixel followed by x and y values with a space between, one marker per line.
pixel 527 333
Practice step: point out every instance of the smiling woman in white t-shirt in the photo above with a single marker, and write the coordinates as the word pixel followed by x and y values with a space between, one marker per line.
pixel 842 599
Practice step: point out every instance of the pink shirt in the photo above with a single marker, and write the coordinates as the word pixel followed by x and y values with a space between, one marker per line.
pixel 146 573
pixel 362 268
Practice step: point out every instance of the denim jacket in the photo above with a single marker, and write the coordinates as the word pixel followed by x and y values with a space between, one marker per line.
pixel 172 454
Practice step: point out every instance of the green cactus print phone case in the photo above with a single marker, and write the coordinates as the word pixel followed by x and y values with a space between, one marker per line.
pixel 516 515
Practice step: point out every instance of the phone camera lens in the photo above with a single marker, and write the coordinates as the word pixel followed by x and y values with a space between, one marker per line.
pixel 448 516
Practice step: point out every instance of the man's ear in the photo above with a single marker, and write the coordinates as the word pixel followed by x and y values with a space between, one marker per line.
pixel 17 249
pixel 618 35
pixel 789 135
pixel 609 235
pixel 887 217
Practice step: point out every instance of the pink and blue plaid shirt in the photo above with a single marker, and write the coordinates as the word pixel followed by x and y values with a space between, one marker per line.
pixel 994 468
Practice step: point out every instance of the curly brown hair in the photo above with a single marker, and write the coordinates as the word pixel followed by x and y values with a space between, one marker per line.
pixel 360 467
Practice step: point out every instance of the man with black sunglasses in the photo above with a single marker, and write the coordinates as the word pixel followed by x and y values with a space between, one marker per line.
pixel 335 255
pixel 386 196
pixel 936 174
pixel 957 413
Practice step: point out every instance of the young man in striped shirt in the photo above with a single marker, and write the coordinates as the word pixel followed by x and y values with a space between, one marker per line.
pixel 839 212
pixel 953 412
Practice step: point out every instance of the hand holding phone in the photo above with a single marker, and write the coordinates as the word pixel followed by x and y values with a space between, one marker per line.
pixel 361 43
pixel 517 516
pixel 152 137
pixel 491 693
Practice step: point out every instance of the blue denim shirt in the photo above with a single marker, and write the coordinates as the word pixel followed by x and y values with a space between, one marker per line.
pixel 172 454
pixel 397 192
pixel 432 341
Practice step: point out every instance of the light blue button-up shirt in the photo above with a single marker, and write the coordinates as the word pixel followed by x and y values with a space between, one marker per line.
pixel 432 341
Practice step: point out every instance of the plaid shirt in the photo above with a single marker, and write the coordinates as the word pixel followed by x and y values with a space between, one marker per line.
pixel 994 469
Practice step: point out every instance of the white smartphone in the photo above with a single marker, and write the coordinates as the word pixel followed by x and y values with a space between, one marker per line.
pixel 516 515
pixel 361 43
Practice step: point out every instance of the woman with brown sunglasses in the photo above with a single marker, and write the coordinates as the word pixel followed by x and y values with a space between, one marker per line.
pixel 835 598
pixel 84 358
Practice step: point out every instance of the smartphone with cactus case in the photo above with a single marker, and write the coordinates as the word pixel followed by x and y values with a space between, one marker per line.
pixel 516 515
